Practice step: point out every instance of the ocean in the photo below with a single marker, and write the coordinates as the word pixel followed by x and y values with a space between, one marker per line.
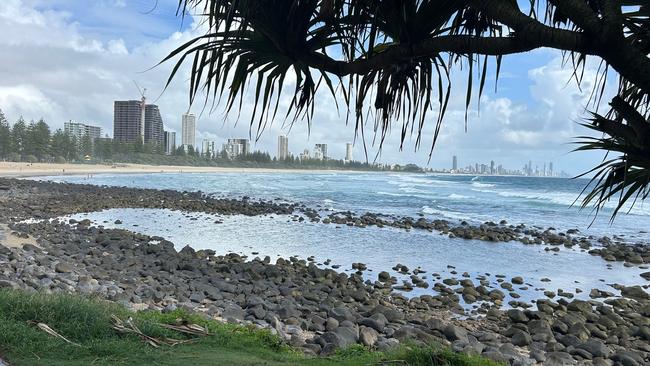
pixel 541 202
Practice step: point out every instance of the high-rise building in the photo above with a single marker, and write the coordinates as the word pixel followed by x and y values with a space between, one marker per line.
pixel 80 130
pixel 305 155
pixel 492 167
pixel 170 142
pixel 455 163
pixel 129 121
pixel 208 149
pixel 322 148
pixel 154 132
pixel 550 169
pixel 237 147
pixel 283 147
pixel 189 130
pixel 348 152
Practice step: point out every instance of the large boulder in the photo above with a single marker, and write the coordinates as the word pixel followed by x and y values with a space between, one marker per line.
pixel 368 336
pixel 596 348
pixel 455 333
pixel 635 292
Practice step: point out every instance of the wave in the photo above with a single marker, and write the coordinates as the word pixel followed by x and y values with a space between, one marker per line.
pixel 455 196
pixel 483 185
pixel 393 194
pixel 450 214
pixel 407 180
pixel 565 199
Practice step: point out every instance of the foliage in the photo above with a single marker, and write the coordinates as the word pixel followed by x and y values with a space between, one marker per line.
pixel 389 62
pixel 87 322
pixel 5 137
pixel 61 147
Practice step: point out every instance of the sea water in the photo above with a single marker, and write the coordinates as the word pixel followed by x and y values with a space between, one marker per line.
pixel 543 202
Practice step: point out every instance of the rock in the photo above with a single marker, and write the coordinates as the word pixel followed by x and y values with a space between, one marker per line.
pixel 517 316
pixel 635 292
pixel 517 280
pixel 521 338
pixel 384 276
pixel 233 312
pixel 581 306
pixel 368 336
pixel 387 344
pixel 645 275
pixel 538 355
pixel 8 284
pixel 376 322
pixel 348 336
pixel 408 332
pixel 331 324
pixel 559 359
pixel 455 333
pixel 596 348
pixel 643 333
pixel 341 313
pixel 627 358
pixel 496 356
pixel 63 267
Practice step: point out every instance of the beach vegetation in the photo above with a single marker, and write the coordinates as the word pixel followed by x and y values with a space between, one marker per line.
pixel 57 329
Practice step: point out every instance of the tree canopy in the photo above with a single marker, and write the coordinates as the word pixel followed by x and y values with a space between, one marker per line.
pixel 389 63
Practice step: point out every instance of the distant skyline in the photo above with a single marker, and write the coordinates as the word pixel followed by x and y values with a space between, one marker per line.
pixel 95 50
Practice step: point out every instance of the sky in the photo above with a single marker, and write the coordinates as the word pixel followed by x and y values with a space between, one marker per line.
pixel 70 59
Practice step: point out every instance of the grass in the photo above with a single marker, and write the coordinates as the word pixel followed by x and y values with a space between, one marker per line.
pixel 87 322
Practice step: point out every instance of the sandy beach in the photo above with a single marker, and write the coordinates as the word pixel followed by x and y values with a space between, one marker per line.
pixel 11 169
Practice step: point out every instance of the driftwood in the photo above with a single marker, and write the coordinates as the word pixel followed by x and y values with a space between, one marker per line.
pixel 128 327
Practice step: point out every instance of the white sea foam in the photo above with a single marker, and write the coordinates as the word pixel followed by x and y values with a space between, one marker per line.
pixel 442 211
pixel 483 185
pixel 455 196
pixel 565 199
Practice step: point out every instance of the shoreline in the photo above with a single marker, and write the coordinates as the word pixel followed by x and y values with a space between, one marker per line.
pixel 28 170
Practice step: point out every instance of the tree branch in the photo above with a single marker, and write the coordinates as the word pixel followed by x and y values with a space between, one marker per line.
pixel 569 41
pixel 580 14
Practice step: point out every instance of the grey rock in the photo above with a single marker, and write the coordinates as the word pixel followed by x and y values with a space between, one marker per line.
pixel 559 359
pixel 63 267
pixel 455 333
pixel 517 316
pixel 233 312
pixel 368 336
pixel 521 338
pixel 596 348
pixel 635 292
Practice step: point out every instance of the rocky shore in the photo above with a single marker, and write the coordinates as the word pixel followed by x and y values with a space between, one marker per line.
pixel 315 309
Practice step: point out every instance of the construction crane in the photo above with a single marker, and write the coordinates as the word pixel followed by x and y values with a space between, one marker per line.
pixel 143 105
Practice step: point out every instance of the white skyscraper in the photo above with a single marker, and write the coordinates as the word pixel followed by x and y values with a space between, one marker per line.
pixel 348 151
pixel 283 147
pixel 320 152
pixel 208 149
pixel 80 130
pixel 189 130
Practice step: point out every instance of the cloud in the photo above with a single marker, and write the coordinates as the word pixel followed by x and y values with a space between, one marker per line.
pixel 71 59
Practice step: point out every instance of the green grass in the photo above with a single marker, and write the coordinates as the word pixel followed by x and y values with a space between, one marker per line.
pixel 88 323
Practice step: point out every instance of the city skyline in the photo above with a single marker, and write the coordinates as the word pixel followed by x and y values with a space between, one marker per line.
pixel 493 168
